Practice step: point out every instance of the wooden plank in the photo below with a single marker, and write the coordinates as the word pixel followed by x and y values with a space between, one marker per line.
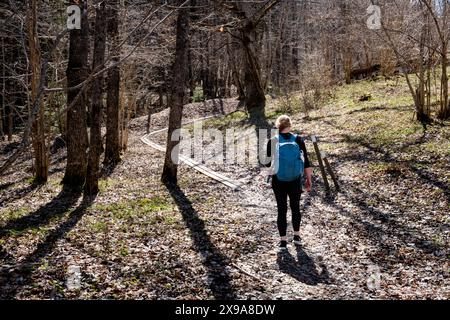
pixel 196 166
pixel 332 174
pixel 212 174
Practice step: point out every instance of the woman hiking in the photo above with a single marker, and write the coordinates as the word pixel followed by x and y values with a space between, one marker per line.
pixel 290 163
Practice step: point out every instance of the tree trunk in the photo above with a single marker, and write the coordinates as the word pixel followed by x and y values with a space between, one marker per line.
pixel 10 126
pixel 255 99
pixel 161 98
pixel 131 101
pixel 75 174
pixel 149 120
pixel 177 97
pixel 208 73
pixel 445 107
pixel 2 106
pixel 2 134
pixel 93 168
pixel 112 152
pixel 422 116
pixel 122 112
pixel 236 79
pixel 39 146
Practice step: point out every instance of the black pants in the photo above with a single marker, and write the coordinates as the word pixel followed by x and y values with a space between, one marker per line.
pixel 282 191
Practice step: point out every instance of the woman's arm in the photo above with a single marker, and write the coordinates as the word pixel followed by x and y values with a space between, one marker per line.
pixel 308 166
pixel 308 183
pixel 302 145
pixel 269 153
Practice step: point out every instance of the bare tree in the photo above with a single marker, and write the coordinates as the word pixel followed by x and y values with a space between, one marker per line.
pixel 248 30
pixel 177 96
pixel 77 140
pixel 39 145
pixel 440 14
pixel 95 143
pixel 112 151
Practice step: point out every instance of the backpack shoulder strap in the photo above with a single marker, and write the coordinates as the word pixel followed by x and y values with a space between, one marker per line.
pixel 278 138
pixel 294 137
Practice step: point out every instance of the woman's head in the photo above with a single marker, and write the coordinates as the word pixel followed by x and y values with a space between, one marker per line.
pixel 283 123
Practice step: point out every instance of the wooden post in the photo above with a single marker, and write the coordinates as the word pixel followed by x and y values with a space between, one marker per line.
pixel 149 117
pixel 319 159
pixel 330 170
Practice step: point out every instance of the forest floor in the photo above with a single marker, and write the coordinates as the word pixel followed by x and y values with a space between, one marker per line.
pixel 385 236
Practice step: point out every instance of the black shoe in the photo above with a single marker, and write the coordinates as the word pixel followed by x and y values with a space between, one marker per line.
pixel 297 240
pixel 283 245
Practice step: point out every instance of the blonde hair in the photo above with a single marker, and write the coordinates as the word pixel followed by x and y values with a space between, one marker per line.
pixel 283 122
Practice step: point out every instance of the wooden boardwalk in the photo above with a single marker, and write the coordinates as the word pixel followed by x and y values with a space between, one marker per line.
pixel 235 185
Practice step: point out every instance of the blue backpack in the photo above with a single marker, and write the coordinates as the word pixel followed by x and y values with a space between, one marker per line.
pixel 289 162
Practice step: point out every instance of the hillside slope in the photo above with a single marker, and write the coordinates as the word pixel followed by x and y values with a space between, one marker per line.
pixel 385 236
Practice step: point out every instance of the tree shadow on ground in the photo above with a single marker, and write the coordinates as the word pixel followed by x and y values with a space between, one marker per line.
pixel 6 185
pixel 12 280
pixel 18 193
pixel 215 262
pixel 5 257
pixel 405 234
pixel 107 170
pixel 383 225
pixel 304 269
pixel 361 110
pixel 10 147
pixel 426 177
pixel 42 216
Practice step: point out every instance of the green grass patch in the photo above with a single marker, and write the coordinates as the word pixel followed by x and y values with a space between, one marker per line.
pixel 100 226
pixel 237 118
pixel 134 208
pixel 12 214
pixel 123 250
pixel 166 219
pixel 109 184
pixel 438 148
pixel 198 95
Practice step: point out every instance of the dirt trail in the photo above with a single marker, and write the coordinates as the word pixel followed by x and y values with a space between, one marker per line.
pixel 380 238
pixel 361 243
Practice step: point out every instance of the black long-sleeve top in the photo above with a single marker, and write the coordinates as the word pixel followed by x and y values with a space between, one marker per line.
pixel 271 148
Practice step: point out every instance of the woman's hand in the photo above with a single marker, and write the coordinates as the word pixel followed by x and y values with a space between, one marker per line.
pixel 308 183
